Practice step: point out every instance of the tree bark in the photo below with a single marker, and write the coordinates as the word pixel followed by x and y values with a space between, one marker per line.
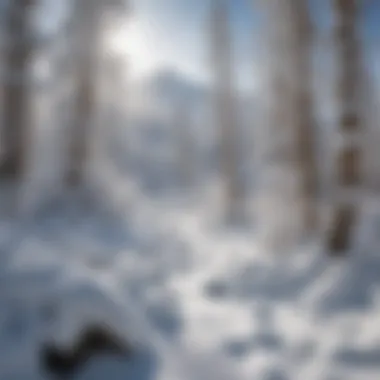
pixel 86 42
pixel 305 123
pixel 17 54
pixel 185 145
pixel 292 157
pixel 349 173
pixel 225 109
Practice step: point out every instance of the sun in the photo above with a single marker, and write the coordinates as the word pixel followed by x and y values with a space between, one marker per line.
pixel 135 41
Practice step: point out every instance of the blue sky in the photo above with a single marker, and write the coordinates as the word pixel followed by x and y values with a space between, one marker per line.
pixel 173 33
pixel 372 20
pixel 179 27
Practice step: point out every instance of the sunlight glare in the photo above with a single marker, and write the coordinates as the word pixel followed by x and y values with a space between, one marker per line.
pixel 133 39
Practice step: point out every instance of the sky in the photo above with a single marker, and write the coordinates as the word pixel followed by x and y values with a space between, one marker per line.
pixel 172 34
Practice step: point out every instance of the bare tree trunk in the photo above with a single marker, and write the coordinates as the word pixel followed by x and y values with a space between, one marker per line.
pixel 303 108
pixel 86 34
pixel 225 108
pixel 15 91
pixel 186 154
pixel 291 120
pixel 349 159
pixel 79 144
pixel 371 134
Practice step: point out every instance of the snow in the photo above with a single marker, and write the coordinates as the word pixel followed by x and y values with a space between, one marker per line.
pixel 196 299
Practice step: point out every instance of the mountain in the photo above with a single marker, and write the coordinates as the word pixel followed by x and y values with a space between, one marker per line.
pixel 169 86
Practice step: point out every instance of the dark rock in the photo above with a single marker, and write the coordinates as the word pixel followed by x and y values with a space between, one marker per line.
pixel 94 341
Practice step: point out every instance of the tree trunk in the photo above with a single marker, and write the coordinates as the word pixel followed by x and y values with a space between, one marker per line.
pixel 305 122
pixel 293 175
pixel 185 146
pixel 15 91
pixel 79 144
pixel 225 109
pixel 349 173
pixel 86 42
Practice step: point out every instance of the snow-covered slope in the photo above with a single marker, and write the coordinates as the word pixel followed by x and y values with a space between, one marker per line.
pixel 197 301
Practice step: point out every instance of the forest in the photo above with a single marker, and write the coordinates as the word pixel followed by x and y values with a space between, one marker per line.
pixel 189 189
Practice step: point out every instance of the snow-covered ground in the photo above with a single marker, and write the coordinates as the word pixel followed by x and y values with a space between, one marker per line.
pixel 196 300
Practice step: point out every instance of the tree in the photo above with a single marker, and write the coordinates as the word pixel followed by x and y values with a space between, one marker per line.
pixel 348 86
pixel 16 56
pixel 88 20
pixel 85 34
pixel 225 107
pixel 185 144
pixel 292 155
pixel 305 122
